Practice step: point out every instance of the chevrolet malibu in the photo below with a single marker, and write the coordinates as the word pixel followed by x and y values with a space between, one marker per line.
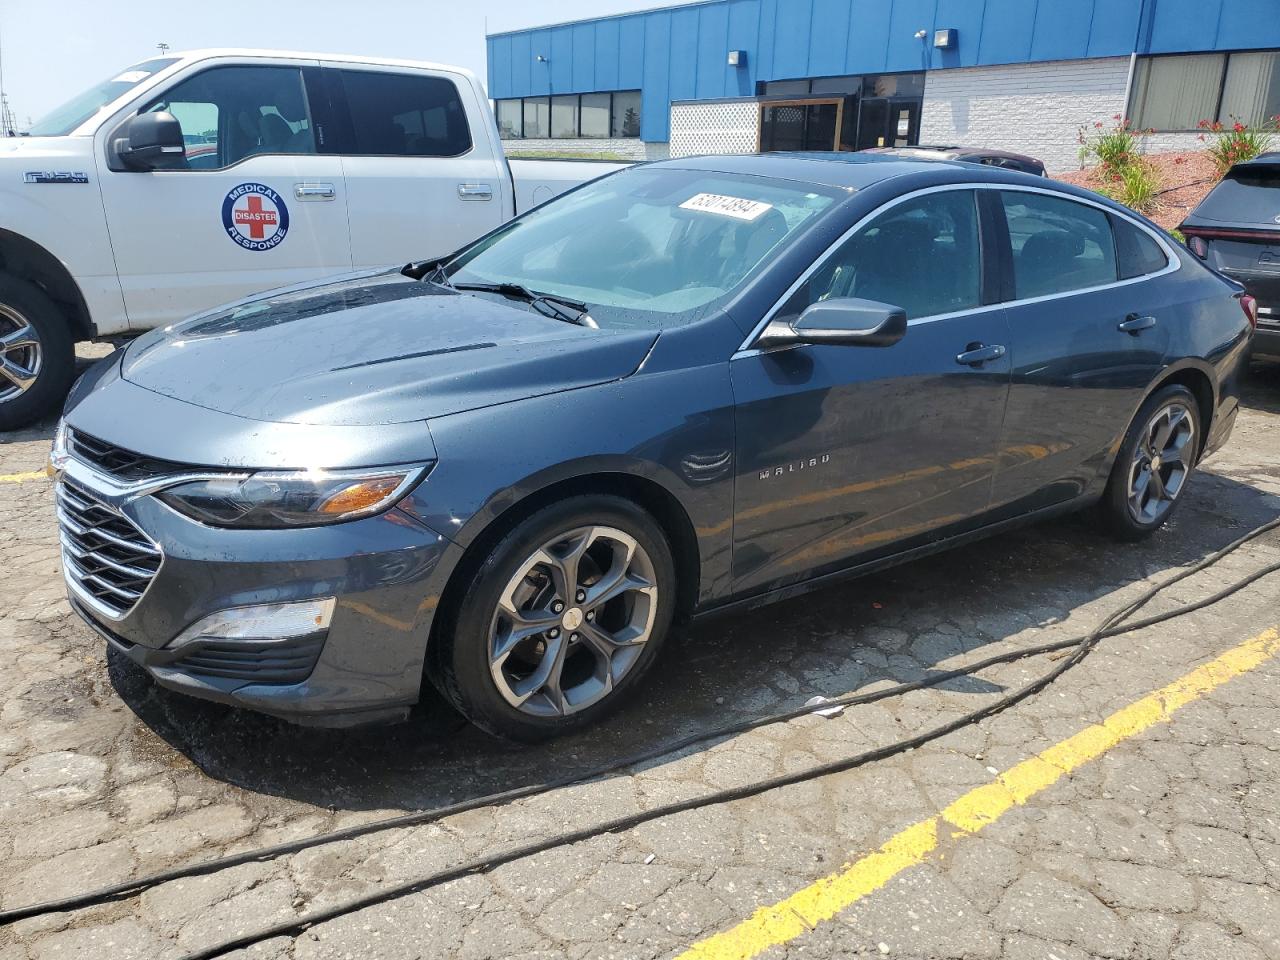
pixel 688 387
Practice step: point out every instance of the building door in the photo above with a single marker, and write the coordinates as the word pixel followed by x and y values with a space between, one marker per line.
pixel 888 122
pixel 800 124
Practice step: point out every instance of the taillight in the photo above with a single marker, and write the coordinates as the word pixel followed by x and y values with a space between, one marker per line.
pixel 1198 247
pixel 1250 307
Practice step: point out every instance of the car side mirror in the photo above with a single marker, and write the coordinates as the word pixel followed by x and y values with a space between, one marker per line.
pixel 151 141
pixel 846 321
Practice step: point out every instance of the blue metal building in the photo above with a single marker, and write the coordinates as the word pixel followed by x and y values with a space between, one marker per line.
pixel 748 50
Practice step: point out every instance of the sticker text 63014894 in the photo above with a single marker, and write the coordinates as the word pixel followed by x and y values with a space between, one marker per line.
pixel 735 207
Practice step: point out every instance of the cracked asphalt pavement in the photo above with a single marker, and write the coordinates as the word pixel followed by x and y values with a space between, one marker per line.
pixel 1166 845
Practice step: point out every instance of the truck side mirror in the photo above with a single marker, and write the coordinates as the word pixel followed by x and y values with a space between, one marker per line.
pixel 152 141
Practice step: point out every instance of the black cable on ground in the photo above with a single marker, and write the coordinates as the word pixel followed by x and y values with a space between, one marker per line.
pixel 1108 628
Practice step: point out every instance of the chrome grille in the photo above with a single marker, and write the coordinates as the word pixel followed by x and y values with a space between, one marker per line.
pixel 108 560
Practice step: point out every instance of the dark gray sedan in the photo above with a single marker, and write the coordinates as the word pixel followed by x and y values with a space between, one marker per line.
pixel 691 386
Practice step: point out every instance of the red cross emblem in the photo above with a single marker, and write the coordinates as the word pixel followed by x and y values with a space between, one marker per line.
pixel 256 217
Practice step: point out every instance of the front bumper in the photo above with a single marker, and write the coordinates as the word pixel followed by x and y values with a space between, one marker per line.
pixel 386 573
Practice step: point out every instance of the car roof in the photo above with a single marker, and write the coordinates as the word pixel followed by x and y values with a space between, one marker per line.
pixel 844 169
pixel 954 152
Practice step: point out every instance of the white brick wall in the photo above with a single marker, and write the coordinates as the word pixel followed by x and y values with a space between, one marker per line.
pixel 1033 108
pixel 629 148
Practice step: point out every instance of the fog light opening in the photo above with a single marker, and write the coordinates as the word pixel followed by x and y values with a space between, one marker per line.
pixel 266 621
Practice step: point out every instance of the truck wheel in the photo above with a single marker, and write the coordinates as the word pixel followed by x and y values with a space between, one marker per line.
pixel 37 356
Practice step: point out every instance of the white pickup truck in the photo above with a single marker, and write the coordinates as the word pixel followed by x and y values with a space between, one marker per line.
pixel 195 179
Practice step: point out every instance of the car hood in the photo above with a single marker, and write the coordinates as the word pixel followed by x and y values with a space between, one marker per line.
pixel 372 349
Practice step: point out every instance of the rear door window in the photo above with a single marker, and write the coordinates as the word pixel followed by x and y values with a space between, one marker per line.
pixel 1137 252
pixel 1244 196
pixel 405 115
pixel 1059 245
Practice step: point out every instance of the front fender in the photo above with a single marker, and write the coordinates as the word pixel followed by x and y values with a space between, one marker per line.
pixel 674 429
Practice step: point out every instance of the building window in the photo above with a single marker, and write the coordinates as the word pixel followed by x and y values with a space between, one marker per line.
pixel 563 117
pixel 595 114
pixel 510 119
pixel 1177 92
pixel 626 114
pixel 537 117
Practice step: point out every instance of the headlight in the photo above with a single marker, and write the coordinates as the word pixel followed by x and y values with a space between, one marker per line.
pixel 305 498
pixel 58 453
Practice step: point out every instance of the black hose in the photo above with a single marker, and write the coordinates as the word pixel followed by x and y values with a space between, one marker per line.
pixel 1082 647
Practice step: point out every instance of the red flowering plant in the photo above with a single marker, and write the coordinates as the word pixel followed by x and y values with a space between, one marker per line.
pixel 1124 174
pixel 1238 142
pixel 1114 147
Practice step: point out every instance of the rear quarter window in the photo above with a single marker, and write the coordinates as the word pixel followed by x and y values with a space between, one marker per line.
pixel 1137 253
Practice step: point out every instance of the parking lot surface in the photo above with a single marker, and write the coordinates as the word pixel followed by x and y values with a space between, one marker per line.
pixel 1135 811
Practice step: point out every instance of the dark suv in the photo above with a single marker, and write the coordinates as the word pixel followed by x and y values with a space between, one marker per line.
pixel 1236 230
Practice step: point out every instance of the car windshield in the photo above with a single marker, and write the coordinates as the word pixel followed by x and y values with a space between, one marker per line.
pixel 648 247
pixel 1248 195
pixel 76 111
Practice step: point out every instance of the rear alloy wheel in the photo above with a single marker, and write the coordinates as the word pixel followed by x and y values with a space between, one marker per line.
pixel 37 357
pixel 1155 462
pixel 566 614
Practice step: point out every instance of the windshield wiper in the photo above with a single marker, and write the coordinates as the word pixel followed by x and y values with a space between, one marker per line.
pixel 548 304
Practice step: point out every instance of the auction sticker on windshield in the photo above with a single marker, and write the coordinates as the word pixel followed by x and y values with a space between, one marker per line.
pixel 736 207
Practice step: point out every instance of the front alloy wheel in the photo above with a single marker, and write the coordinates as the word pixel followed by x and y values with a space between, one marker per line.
pixel 21 353
pixel 37 355
pixel 557 620
pixel 572 621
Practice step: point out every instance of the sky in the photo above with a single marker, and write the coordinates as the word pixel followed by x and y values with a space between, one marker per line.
pixel 52 51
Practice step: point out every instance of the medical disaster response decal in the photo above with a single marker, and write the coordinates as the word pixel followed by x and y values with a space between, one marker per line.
pixel 255 217
pixel 735 207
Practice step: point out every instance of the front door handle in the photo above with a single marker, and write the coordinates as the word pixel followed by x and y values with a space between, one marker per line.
pixel 314 191
pixel 1135 324
pixel 475 191
pixel 977 354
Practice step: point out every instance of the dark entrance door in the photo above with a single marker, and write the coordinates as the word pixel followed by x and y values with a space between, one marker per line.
pixel 888 122
pixel 800 124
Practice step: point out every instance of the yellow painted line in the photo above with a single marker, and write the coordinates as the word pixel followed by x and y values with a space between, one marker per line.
pixel 774 925
pixel 23 477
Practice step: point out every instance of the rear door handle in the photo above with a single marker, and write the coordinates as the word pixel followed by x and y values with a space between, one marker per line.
pixel 1135 324
pixel 977 354
pixel 314 191
pixel 475 191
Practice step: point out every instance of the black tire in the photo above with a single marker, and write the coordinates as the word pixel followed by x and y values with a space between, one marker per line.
pixel 1118 513
pixel 461 647
pixel 23 302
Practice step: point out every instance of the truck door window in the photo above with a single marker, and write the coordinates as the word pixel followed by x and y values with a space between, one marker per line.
pixel 229 114
pixel 403 115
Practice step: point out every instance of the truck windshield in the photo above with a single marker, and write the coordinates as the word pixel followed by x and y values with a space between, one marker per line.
pixel 77 110
pixel 648 247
